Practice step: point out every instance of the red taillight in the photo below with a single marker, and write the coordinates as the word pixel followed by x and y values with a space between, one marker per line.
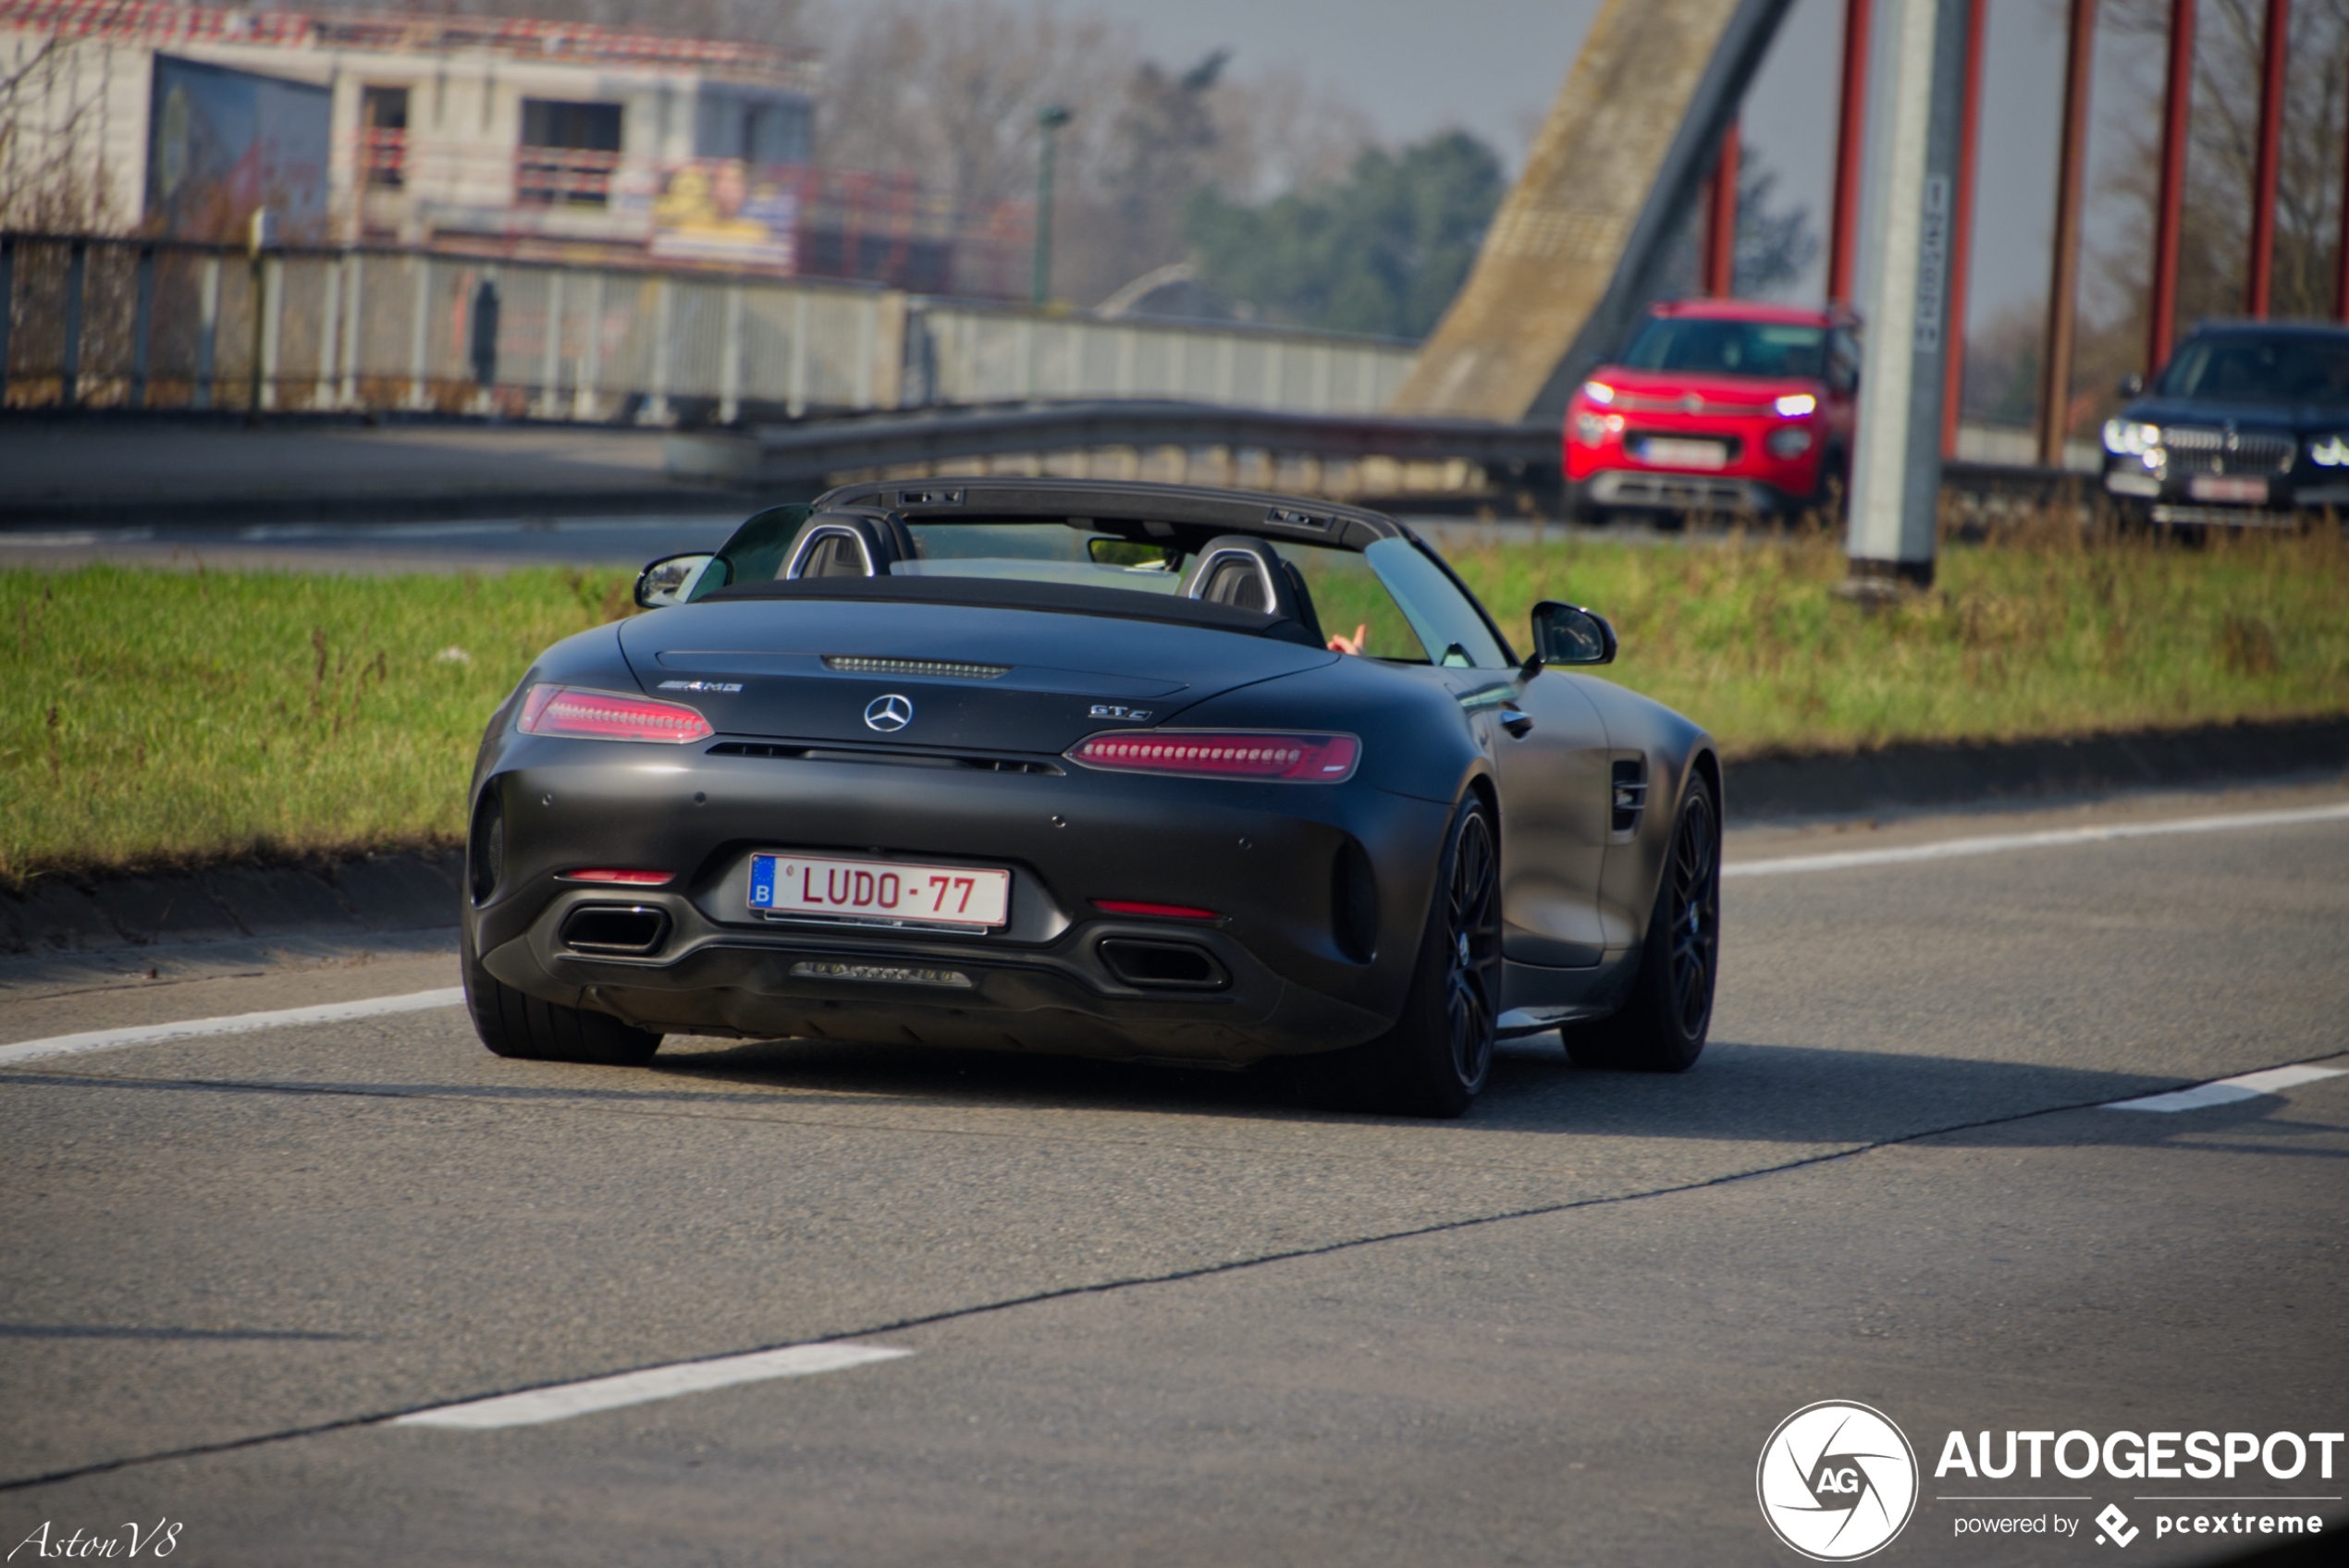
pixel 1211 754
pixel 625 879
pixel 1154 911
pixel 579 714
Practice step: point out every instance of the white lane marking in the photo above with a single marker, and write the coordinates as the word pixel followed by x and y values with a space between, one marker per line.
pixel 1997 843
pixel 2226 1091
pixel 566 1399
pixel 239 1023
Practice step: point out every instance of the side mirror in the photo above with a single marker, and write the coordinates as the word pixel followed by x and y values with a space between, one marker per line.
pixel 2132 386
pixel 673 579
pixel 1569 634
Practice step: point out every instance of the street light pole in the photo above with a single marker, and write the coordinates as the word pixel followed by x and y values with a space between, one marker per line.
pixel 1915 115
pixel 1047 122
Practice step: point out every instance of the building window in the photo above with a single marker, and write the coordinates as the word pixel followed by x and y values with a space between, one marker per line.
pixel 383 137
pixel 568 153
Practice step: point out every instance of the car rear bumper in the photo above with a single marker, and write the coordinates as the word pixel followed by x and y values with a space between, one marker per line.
pixel 1066 999
pixel 1278 972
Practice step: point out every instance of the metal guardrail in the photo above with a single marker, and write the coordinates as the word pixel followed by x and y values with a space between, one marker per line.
pixel 1230 438
pixel 1186 442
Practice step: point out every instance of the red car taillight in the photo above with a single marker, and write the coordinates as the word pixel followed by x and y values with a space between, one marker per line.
pixel 578 714
pixel 1154 911
pixel 1215 754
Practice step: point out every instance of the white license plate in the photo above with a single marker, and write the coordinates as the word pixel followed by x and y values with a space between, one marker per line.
pixel 1684 454
pixel 876 889
pixel 2226 487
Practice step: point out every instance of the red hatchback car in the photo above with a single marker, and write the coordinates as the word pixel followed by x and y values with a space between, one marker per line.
pixel 1717 405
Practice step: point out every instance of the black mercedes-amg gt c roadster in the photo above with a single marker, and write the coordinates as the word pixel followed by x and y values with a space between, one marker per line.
pixel 1123 770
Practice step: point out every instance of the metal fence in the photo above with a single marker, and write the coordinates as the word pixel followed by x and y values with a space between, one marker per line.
pixel 103 322
pixel 114 324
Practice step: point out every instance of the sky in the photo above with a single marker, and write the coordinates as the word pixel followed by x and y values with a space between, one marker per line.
pixel 1419 67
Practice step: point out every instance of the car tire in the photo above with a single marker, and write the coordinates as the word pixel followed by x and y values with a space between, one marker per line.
pixel 1436 1057
pixel 1662 1027
pixel 514 1024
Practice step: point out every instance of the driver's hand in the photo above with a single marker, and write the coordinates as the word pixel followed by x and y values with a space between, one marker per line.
pixel 1343 644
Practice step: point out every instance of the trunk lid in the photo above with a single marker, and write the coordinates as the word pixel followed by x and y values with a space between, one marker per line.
pixel 967 679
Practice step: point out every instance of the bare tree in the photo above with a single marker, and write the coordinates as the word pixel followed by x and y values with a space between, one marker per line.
pixel 2215 243
pixel 949 92
pixel 53 170
pixel 2215 234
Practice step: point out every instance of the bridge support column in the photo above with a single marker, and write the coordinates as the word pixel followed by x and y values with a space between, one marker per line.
pixel 1913 139
pixel 1961 228
pixel 2340 254
pixel 1721 219
pixel 2168 208
pixel 2276 43
pixel 1851 125
pixel 2064 270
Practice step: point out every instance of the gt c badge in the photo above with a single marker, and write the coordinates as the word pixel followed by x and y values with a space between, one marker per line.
pixel 888 713
pixel 1112 710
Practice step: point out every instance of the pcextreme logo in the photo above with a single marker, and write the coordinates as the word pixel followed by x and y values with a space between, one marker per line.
pixel 1837 1481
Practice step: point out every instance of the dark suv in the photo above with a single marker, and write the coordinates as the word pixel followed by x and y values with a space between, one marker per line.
pixel 2246 424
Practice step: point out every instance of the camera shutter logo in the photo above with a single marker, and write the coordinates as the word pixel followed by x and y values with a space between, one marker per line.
pixel 1837 1481
pixel 890 713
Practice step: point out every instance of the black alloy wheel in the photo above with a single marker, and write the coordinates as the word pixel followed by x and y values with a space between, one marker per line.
pixel 1436 1057
pixel 1692 899
pixel 1472 951
pixel 1663 1026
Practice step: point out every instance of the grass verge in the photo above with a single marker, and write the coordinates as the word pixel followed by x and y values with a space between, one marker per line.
pixel 2027 639
pixel 150 718
pixel 154 718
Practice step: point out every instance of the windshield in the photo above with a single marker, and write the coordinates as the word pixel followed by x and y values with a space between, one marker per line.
pixel 2262 367
pixel 1728 347
pixel 1390 602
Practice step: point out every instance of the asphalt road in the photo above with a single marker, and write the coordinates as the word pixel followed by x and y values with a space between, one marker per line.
pixel 1164 1317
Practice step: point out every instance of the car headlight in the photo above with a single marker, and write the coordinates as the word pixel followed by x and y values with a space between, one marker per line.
pixel 1598 392
pixel 2127 437
pixel 2331 452
pixel 1794 405
pixel 1789 441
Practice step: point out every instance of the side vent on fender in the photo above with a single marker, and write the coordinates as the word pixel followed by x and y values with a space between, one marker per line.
pixel 1628 794
pixel 1354 903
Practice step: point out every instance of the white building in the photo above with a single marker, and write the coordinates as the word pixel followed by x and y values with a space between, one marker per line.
pixel 524 136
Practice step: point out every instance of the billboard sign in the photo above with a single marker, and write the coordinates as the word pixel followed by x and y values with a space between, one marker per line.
pixel 222 143
pixel 719 211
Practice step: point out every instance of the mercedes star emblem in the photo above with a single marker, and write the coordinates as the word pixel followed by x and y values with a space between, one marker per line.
pixel 888 713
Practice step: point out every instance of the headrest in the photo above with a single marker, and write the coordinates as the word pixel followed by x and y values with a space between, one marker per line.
pixel 1248 574
pixel 846 544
